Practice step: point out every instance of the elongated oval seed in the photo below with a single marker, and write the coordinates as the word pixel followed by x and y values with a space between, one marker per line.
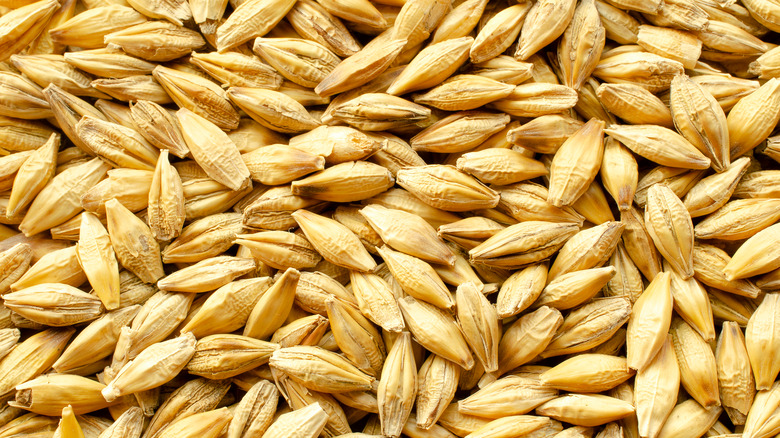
pixel 669 225
pixel 649 323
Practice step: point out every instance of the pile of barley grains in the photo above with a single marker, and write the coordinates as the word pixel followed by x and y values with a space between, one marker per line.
pixel 389 218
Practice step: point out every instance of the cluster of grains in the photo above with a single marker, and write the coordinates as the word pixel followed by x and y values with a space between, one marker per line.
pixel 418 218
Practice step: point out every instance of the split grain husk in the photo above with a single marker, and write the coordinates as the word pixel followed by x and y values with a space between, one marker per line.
pixel 703 198
pixel 692 305
pixel 205 424
pixel 22 99
pixel 408 233
pixel 521 289
pixel 252 19
pixel 213 150
pixel 574 288
pixel 59 266
pixel 165 213
pixel 129 424
pixel 88 29
pixel 679 180
pixel 280 249
pixel 544 134
pixel 298 397
pixel 301 61
pixel 314 22
pixel 762 419
pixel 528 201
pixel 537 99
pixel 377 300
pixel 128 186
pixel 523 424
pixel 108 63
pixel 199 95
pixel 33 175
pixel 20 135
pixel 158 318
pixel 118 145
pixel 133 88
pixel 68 426
pixel 139 40
pixel 464 92
pixel 379 112
pixel 752 257
pixel 279 164
pixel 470 232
